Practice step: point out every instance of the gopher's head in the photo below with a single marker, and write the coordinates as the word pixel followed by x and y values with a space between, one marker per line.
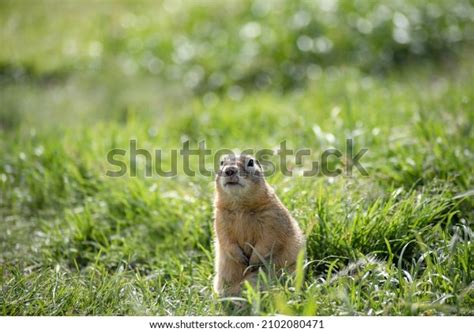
pixel 240 177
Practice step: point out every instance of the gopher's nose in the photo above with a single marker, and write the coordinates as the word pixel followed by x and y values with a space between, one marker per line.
pixel 230 170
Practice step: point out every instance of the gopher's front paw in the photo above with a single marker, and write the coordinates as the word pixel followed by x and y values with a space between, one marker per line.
pixel 258 260
pixel 238 255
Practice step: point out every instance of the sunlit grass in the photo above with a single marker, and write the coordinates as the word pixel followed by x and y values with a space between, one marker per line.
pixel 74 241
pixel 77 242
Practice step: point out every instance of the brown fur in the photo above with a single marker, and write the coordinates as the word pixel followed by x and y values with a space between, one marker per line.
pixel 252 226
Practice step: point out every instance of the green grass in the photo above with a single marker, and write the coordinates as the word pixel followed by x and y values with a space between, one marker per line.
pixel 74 241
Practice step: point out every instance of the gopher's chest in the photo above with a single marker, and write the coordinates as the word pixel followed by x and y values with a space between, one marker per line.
pixel 244 228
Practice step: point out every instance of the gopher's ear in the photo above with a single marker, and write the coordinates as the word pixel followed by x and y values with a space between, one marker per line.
pixel 259 165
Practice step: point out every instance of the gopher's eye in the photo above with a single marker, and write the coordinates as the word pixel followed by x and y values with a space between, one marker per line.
pixel 222 162
pixel 250 163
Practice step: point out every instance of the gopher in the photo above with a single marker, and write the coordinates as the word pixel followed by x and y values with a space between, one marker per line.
pixel 252 226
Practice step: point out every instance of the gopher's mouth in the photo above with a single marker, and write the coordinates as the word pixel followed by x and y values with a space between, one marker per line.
pixel 233 183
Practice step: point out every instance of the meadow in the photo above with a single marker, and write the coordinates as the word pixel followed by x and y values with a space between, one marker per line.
pixel 78 79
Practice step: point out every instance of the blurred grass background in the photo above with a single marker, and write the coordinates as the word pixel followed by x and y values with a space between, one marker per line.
pixel 133 54
pixel 80 78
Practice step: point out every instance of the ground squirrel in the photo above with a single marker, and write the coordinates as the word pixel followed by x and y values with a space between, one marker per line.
pixel 252 226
